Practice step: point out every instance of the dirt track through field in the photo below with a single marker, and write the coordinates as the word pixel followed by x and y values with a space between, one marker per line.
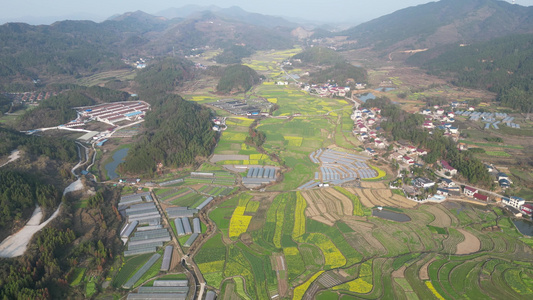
pixel 470 245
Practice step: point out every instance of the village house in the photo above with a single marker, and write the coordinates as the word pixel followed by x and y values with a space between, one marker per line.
pixel 527 209
pixel 513 201
pixel 447 168
pixel 422 182
pixel 478 196
pixel 447 182
pixel 470 191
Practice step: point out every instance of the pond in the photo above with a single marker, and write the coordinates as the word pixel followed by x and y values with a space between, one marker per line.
pixel 525 227
pixel 118 157
pixel 390 215
pixel 366 96
pixel 385 89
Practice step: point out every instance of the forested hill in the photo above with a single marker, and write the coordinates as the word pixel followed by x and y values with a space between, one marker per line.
pixel 58 110
pixel 503 66
pixel 208 29
pixel 57 149
pixel 20 193
pixel 442 22
pixel 176 131
pixel 237 79
pixel 319 56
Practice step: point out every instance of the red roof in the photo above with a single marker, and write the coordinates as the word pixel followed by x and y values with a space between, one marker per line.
pixel 473 190
pixel 481 197
pixel 446 165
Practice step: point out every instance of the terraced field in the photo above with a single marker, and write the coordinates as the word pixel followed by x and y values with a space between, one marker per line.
pixel 324 243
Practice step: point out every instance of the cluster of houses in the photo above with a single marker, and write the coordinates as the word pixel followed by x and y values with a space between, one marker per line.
pixel 407 154
pixel 326 90
pixel 365 128
pixel 517 206
pixel 440 119
pixel 30 97
pixel 220 124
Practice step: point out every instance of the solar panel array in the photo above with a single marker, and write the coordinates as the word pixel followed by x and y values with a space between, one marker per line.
pixel 339 167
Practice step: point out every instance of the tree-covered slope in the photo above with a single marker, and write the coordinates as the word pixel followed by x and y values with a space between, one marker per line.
pixel 177 131
pixel 502 65
pixel 319 56
pixel 341 74
pixel 442 22
pixel 237 78
pixel 58 109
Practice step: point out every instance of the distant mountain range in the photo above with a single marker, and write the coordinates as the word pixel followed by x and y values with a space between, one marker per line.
pixel 443 22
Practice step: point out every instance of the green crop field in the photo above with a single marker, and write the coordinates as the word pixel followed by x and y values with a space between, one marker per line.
pixel 298 245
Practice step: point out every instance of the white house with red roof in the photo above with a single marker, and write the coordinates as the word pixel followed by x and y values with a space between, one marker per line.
pixel 470 191
pixel 478 196
pixel 447 168
pixel 527 209
pixel 421 152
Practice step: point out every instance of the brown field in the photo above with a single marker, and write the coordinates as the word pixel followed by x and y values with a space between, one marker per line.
pixel 400 272
pixel 471 243
pixel 347 205
pixel 442 219
pixel 327 205
pixel 373 185
pixel 363 199
pixel 403 202
pixel 423 273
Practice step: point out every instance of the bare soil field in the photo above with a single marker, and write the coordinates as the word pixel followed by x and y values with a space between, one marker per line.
pixel 441 218
pixel 346 203
pixel 470 244
pixel 423 273
pixel 373 185
pixel 364 200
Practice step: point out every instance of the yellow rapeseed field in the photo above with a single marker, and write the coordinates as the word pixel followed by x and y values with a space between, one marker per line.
pixel 239 222
pixel 333 257
pixel 299 218
pixel 299 291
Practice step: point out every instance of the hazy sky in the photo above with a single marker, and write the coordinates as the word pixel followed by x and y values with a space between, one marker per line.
pixel 353 11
